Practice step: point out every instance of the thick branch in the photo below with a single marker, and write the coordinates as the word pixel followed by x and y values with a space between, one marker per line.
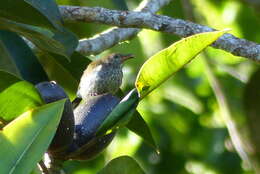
pixel 146 19
pixel 114 36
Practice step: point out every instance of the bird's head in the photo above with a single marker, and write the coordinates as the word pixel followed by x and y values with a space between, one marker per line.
pixel 112 61
pixel 119 58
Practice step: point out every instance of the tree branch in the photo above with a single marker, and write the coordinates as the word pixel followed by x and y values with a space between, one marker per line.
pixel 113 36
pixel 146 19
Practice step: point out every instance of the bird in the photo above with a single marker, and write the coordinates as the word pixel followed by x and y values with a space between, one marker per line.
pixel 102 76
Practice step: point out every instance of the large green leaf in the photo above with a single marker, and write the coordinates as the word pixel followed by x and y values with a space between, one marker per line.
pixel 138 125
pixel 7 79
pixel 165 63
pixel 66 73
pixel 122 165
pixel 75 66
pixel 17 99
pixel 121 114
pixel 60 42
pixel 59 73
pixel 23 58
pixel 41 13
pixel 24 140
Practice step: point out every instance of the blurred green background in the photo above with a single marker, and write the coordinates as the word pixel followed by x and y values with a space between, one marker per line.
pixel 183 114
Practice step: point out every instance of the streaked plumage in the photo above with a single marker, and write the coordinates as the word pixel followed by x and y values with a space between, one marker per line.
pixel 102 76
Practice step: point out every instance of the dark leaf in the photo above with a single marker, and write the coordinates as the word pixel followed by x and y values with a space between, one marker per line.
pixel 252 108
pixel 121 114
pixel 138 125
pixel 23 58
pixel 59 73
pixel 60 42
pixel 75 66
pixel 7 79
pixel 33 12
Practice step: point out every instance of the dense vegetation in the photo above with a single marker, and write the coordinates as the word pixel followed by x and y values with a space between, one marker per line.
pixel 204 119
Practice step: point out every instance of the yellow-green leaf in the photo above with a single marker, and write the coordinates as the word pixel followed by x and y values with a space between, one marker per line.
pixel 17 99
pixel 24 140
pixel 165 63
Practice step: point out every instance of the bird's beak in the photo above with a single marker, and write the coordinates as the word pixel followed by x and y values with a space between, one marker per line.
pixel 127 56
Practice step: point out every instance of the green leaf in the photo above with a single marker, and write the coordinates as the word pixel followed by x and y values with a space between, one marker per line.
pixel 41 13
pixel 60 42
pixel 23 58
pixel 122 165
pixel 7 79
pixel 76 66
pixel 24 140
pixel 165 63
pixel 138 125
pixel 252 108
pixel 62 71
pixel 5 62
pixel 59 73
pixel 17 99
pixel 121 114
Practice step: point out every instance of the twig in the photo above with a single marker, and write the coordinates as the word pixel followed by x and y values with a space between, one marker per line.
pixel 113 36
pixel 146 19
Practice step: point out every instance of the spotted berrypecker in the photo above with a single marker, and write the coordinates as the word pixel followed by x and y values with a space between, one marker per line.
pixel 102 76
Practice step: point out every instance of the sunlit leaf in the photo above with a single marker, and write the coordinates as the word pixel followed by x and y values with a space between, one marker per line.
pixel 24 140
pixel 165 63
pixel 7 79
pixel 122 165
pixel 18 52
pixel 17 99
pixel 121 114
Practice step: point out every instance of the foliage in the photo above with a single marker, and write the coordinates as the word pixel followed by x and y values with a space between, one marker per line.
pixel 183 114
pixel 24 140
